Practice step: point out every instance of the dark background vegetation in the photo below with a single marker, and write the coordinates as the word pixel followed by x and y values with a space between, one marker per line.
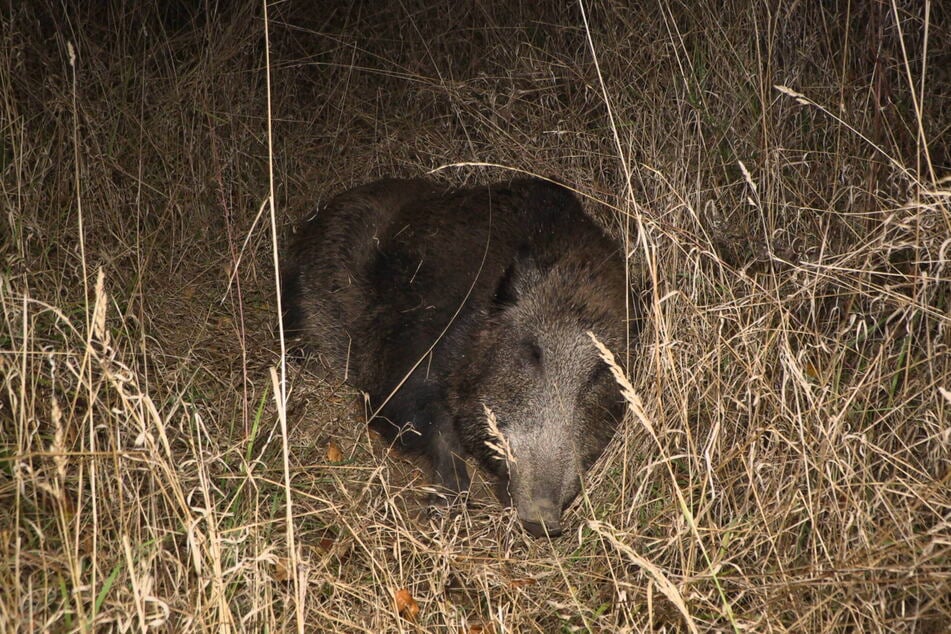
pixel 778 171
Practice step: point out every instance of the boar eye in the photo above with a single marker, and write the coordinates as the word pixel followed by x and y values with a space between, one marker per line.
pixel 532 352
pixel 600 372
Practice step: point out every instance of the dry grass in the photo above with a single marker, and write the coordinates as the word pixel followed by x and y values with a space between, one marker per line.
pixel 787 468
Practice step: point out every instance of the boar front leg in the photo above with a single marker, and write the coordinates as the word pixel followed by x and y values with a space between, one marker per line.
pixel 449 465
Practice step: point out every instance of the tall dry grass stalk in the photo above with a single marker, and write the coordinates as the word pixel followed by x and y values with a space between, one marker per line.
pixel 777 173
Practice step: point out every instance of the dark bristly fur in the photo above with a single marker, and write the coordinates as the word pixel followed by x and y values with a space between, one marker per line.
pixel 502 282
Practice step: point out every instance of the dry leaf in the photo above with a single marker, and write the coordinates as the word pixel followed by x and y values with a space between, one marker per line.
pixel 281 569
pixel 521 583
pixel 406 605
pixel 334 454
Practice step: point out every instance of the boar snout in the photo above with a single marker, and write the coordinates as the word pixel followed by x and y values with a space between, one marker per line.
pixel 541 518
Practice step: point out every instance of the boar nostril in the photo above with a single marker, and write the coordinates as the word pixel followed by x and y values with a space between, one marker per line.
pixel 539 529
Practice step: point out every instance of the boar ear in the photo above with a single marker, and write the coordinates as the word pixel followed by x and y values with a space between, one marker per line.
pixel 519 277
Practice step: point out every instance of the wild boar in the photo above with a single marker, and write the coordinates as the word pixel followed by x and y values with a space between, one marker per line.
pixel 448 306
